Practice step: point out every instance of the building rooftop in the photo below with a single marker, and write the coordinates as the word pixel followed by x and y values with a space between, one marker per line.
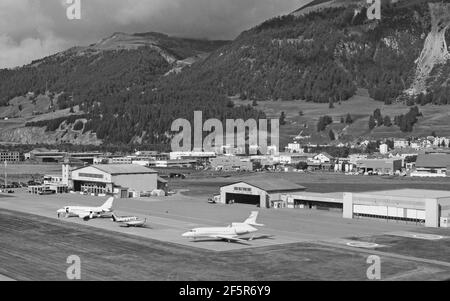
pixel 326 155
pixel 386 160
pixel 272 184
pixel 433 160
pixel 117 169
pixel 411 193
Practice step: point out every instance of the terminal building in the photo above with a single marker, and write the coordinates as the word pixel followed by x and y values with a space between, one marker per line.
pixel 52 156
pixel 231 163
pixel 266 193
pixel 9 156
pixel 120 179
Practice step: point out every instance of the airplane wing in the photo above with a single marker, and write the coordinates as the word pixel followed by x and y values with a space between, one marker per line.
pixel 228 237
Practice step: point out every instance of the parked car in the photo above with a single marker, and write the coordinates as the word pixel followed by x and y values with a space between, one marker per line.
pixel 177 176
pixel 47 192
pixel 15 185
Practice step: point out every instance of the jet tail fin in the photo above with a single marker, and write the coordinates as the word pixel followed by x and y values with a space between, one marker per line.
pixel 108 204
pixel 252 219
pixel 114 217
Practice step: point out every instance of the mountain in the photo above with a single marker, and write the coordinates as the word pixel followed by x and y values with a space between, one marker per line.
pixel 119 87
pixel 115 63
pixel 326 50
pixel 129 88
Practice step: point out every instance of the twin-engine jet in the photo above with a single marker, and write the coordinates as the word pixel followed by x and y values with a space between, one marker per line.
pixel 129 221
pixel 87 213
pixel 230 233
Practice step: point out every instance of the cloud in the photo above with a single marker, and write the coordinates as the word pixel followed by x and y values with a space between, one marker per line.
pixel 13 54
pixel 30 29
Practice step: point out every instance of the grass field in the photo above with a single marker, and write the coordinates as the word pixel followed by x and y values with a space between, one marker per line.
pixel 36 248
pixel 361 106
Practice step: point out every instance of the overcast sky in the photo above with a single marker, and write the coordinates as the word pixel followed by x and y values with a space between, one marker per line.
pixel 31 29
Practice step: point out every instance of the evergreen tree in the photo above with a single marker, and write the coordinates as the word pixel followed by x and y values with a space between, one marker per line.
pixel 332 135
pixel 323 122
pixel 387 121
pixel 349 119
pixel 378 117
pixel 283 118
pixel 372 123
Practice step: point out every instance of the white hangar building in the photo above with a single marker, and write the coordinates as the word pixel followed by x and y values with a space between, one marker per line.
pixel 430 207
pixel 266 193
pixel 110 178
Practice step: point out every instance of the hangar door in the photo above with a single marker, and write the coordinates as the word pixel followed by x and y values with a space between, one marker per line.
pixel 243 199
pixel 395 213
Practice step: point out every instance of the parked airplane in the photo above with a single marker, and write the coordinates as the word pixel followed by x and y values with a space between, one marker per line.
pixel 129 221
pixel 87 213
pixel 230 233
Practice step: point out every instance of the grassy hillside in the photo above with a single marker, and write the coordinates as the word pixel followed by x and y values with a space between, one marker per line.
pixel 360 107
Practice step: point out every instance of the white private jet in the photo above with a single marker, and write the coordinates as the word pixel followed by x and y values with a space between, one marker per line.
pixel 230 233
pixel 87 213
pixel 129 221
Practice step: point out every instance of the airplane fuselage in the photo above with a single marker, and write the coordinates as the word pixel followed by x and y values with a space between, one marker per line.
pixel 86 212
pixel 127 219
pixel 74 211
pixel 220 231
pixel 230 233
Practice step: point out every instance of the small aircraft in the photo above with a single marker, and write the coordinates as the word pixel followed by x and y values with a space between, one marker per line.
pixel 129 221
pixel 230 233
pixel 87 213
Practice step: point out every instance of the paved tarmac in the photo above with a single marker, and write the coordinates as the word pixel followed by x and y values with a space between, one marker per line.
pixel 294 244
pixel 168 218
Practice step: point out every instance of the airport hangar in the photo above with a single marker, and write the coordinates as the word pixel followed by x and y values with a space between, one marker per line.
pixel 115 179
pixel 266 193
pixel 428 207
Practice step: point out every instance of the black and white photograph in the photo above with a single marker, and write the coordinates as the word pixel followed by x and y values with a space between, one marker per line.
pixel 201 143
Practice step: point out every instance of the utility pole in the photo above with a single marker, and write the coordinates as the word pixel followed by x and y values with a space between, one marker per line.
pixel 6 177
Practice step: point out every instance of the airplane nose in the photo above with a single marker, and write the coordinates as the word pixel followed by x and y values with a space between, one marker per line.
pixel 187 234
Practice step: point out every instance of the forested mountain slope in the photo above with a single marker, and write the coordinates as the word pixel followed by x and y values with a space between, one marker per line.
pixel 130 88
pixel 326 50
